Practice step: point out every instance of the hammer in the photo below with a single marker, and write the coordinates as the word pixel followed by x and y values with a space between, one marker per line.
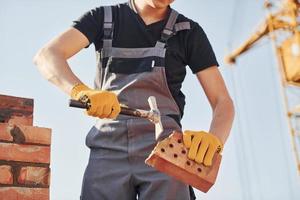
pixel 153 114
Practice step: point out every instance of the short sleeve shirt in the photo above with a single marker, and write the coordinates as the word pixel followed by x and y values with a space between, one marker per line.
pixel 187 48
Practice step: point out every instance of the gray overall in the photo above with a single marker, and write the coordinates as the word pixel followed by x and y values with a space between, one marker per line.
pixel 116 168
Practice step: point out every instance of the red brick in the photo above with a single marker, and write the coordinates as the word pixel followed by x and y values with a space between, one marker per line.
pixel 18 110
pixel 6 176
pixel 34 176
pixel 170 157
pixel 16 103
pixel 24 153
pixel 24 120
pixel 25 134
pixel 18 193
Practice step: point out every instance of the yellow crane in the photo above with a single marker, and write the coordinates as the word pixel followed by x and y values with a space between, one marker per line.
pixel 282 26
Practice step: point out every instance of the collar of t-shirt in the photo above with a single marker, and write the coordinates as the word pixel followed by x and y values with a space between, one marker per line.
pixel 133 8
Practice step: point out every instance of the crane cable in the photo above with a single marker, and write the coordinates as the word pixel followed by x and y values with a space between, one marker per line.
pixel 250 141
pixel 240 153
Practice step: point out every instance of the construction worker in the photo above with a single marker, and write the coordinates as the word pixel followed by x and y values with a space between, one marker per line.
pixel 143 48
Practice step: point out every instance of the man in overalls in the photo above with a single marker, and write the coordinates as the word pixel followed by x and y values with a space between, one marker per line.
pixel 143 48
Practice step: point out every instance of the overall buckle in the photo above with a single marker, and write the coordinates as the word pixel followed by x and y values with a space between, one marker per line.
pixel 167 34
pixel 107 30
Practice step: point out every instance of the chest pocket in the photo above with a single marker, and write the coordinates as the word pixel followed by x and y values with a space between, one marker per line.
pixel 130 65
pixel 135 61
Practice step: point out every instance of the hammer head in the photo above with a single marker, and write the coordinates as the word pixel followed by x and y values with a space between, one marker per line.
pixel 155 118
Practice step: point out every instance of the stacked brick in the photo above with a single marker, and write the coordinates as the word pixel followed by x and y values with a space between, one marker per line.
pixel 24 152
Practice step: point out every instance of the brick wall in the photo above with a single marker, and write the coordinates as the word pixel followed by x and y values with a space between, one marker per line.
pixel 24 152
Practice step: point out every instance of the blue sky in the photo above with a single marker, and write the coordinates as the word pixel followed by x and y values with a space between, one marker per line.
pixel 258 162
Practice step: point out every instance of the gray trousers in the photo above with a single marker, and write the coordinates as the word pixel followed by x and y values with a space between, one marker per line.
pixel 116 168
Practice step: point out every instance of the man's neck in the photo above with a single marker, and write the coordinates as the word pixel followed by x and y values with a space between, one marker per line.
pixel 149 13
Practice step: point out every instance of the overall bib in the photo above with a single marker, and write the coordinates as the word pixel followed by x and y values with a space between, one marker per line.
pixel 119 147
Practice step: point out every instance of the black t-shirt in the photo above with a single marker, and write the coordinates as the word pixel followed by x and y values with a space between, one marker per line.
pixel 187 47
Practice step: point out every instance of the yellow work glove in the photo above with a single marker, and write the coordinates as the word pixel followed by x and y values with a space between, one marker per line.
pixel 202 146
pixel 102 104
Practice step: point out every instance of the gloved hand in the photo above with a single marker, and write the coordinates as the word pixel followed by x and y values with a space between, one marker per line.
pixel 202 146
pixel 102 104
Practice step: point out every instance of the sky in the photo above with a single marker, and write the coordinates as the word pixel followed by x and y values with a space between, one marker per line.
pixel 258 161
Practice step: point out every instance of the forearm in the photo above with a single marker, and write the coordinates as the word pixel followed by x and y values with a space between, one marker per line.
pixel 54 67
pixel 223 115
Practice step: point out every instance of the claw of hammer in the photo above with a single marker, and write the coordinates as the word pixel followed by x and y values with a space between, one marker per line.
pixel 156 116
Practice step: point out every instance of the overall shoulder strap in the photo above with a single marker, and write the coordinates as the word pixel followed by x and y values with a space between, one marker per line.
pixel 108 26
pixel 169 30
pixel 172 28
pixel 182 26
